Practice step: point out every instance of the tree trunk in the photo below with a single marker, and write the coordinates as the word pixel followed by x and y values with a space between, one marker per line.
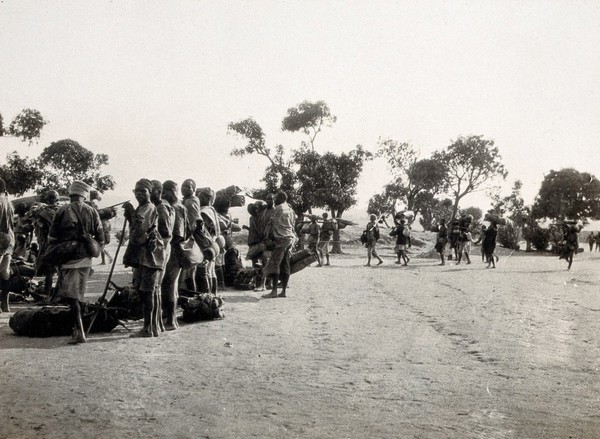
pixel 455 207
pixel 336 246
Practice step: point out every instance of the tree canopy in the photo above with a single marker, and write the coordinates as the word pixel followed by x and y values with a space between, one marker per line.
pixel 470 163
pixel 411 177
pixel 568 194
pixel 308 117
pixel 27 125
pixel 21 174
pixel 66 160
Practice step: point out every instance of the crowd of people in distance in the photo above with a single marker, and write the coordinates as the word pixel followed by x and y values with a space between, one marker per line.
pixel 454 240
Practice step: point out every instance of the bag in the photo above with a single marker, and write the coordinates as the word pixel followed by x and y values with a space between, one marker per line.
pixel 59 253
pixel 255 251
pixel 202 237
pixel 91 246
pixel 364 237
pixel 204 306
pixel 188 253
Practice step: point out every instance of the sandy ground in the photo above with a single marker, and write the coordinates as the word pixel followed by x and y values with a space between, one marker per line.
pixel 413 352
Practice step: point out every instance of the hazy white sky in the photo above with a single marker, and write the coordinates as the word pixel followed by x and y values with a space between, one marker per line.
pixel 155 83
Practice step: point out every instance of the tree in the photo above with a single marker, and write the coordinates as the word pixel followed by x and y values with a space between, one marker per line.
pixel 513 207
pixel 27 125
pixel 388 201
pixel 470 163
pixel 310 179
pixel 568 194
pixel 66 160
pixel 20 174
pixel 411 175
pixel 432 209
pixel 308 117
pixel 335 184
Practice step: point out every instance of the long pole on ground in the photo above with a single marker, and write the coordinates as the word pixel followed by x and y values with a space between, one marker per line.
pixel 112 269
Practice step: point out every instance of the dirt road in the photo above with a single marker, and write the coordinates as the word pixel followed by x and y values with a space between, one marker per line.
pixel 414 352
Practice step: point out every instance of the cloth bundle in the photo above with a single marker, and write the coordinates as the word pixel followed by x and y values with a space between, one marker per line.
pixel 245 278
pixel 50 321
pixel 204 306
pixel 301 259
pixel 232 194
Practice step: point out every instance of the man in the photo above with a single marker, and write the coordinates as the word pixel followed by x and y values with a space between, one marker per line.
pixel 42 217
pixel 570 244
pixel 70 223
pixel 372 232
pixel 209 216
pixel 264 214
pixel 145 252
pixel 192 205
pixel 442 239
pixel 7 243
pixel 166 217
pixel 314 231
pixel 488 244
pixel 281 231
pixel 401 234
pixel 105 216
pixel 170 281
pixel 329 226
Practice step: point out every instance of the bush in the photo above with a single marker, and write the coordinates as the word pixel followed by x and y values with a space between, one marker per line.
pixel 539 238
pixel 508 237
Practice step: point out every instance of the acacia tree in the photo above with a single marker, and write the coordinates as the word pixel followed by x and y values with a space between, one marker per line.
pixel 27 125
pixel 470 163
pixel 568 194
pixel 66 160
pixel 308 117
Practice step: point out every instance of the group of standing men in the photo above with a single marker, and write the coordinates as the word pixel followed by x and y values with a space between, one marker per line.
pixel 271 237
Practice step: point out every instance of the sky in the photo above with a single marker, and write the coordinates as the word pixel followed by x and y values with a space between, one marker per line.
pixel 154 84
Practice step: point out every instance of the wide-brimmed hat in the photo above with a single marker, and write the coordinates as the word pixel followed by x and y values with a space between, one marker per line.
pixel 80 188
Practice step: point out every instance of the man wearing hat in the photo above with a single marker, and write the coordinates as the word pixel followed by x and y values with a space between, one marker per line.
pixel 7 242
pixel 70 223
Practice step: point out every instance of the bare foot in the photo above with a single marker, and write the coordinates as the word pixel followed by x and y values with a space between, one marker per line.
pixel 281 295
pixel 380 262
pixel 271 295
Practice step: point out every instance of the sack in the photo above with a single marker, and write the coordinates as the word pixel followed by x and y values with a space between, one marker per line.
pixel 203 238
pixel 255 251
pixel 188 253
pixel 91 246
pixel 58 253
pixel 364 237
pixel 301 259
pixel 204 306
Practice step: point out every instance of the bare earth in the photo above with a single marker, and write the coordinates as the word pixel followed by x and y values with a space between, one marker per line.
pixel 413 352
